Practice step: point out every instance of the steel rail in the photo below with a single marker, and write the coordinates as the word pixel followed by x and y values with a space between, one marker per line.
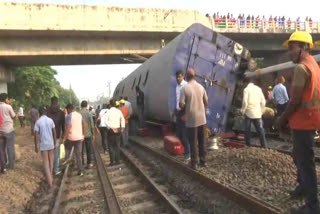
pixel 171 204
pixel 112 202
pixel 251 203
pixel 57 203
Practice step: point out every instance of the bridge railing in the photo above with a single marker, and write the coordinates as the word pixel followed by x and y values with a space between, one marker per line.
pixel 266 25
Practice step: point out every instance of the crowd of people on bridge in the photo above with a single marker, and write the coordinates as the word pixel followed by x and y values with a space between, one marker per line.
pixel 251 21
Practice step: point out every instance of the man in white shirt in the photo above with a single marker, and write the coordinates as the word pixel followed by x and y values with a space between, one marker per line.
pixel 181 130
pixel 252 107
pixel 115 123
pixel 21 116
pixel 100 122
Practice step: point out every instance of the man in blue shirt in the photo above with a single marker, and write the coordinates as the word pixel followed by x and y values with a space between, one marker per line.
pixel 280 95
pixel 45 139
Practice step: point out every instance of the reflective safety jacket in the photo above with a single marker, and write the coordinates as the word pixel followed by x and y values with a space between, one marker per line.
pixel 307 116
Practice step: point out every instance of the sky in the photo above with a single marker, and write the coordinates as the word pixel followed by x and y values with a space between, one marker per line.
pixel 95 75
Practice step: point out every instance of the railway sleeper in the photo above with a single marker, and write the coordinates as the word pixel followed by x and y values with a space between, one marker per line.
pixel 122 179
pixel 132 195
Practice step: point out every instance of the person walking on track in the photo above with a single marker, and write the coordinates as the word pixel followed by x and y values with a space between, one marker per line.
pixel 89 136
pixel 45 139
pixel 74 135
pixel 58 117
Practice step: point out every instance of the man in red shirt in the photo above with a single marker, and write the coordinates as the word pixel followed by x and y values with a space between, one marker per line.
pixel 125 133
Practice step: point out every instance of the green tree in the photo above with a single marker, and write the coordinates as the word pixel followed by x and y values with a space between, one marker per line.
pixel 34 86
pixel 67 96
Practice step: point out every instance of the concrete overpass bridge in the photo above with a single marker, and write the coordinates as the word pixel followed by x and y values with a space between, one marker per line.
pixel 48 34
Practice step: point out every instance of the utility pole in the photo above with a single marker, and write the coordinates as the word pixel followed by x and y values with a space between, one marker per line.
pixel 109 86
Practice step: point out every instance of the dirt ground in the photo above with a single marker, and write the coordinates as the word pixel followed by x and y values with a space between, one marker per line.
pixel 18 186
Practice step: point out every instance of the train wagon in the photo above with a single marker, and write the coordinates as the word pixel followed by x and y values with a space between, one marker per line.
pixel 218 61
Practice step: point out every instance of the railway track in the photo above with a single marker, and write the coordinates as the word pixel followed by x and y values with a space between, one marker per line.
pixel 128 189
pixel 247 201
pixel 79 194
pixel 123 188
pixel 70 193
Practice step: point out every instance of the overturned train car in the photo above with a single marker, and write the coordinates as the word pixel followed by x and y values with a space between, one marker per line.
pixel 218 61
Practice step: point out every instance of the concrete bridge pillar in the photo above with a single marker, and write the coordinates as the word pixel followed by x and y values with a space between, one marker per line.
pixel 6 75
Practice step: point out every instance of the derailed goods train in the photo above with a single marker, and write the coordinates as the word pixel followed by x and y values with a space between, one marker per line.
pixel 218 61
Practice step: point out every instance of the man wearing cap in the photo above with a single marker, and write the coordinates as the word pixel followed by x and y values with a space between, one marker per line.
pixel 194 98
pixel 303 115
pixel 125 113
pixel 269 96
pixel 280 95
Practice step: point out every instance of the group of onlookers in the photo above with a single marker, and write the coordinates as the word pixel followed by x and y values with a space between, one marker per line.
pixel 255 21
pixel 113 123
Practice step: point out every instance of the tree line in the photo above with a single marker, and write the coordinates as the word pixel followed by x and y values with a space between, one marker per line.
pixel 34 86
